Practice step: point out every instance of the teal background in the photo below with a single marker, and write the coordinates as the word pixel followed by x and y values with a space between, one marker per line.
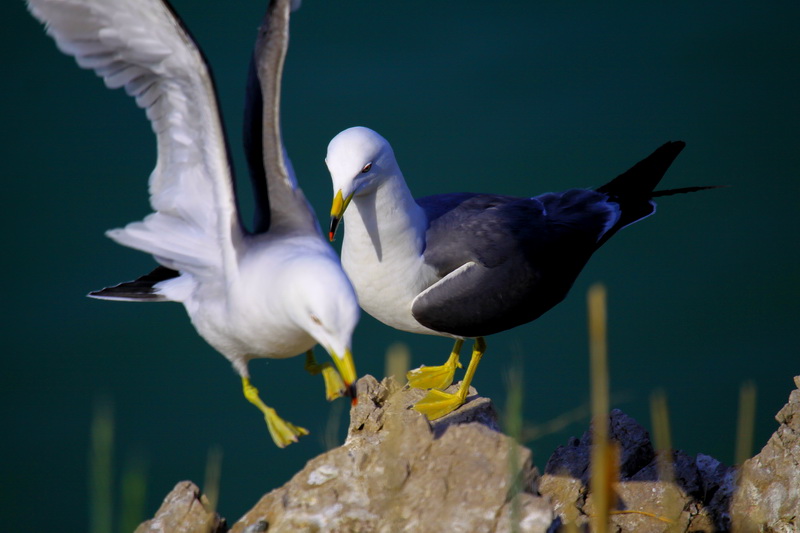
pixel 507 97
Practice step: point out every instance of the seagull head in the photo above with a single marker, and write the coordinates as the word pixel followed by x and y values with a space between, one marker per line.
pixel 325 306
pixel 358 159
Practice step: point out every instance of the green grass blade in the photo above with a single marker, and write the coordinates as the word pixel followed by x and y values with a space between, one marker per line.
pixel 746 423
pixel 101 467
pixel 134 493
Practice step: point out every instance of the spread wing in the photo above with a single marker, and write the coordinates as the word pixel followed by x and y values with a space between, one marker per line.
pixel 280 203
pixel 141 45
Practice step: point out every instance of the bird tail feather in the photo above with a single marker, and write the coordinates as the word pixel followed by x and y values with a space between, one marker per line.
pixel 634 189
pixel 683 190
pixel 643 177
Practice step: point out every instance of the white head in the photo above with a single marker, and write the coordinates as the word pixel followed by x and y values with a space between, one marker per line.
pixel 325 306
pixel 358 159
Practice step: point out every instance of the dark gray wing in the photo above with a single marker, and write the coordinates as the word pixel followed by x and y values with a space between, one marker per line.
pixel 253 150
pixel 503 260
pixel 281 203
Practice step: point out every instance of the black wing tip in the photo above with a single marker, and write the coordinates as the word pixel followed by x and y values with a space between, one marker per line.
pixel 130 291
pixel 121 294
pixel 139 290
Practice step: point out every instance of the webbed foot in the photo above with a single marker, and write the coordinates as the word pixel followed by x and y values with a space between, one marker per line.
pixel 334 384
pixel 436 377
pixel 436 404
pixel 283 433
pixel 432 377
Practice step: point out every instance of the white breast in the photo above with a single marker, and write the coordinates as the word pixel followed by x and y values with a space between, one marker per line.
pixel 382 255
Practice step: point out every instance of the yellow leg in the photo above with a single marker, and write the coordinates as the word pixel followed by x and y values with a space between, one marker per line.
pixel 436 403
pixel 283 432
pixel 436 377
pixel 334 385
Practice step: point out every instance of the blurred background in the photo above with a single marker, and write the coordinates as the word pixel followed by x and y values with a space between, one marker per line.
pixel 517 98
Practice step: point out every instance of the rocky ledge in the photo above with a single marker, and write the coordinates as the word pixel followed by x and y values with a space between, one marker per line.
pixel 398 472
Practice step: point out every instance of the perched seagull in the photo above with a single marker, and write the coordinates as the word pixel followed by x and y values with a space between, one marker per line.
pixel 274 292
pixel 468 265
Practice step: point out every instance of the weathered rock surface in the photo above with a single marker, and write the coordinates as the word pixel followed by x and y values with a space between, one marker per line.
pixel 648 503
pixel 184 510
pixel 768 498
pixel 398 472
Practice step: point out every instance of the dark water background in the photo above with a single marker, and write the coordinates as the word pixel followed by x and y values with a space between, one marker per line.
pixel 508 97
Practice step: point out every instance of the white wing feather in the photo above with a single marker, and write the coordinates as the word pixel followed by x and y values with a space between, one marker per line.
pixel 141 46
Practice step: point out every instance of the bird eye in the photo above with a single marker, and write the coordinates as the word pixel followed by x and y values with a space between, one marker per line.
pixel 366 168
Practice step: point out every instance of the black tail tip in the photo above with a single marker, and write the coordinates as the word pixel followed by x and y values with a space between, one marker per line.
pixel 685 190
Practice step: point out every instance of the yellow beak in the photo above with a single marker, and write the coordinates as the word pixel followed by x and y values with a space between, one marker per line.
pixel 337 210
pixel 347 369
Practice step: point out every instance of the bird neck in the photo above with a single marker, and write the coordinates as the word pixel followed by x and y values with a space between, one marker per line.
pixel 388 218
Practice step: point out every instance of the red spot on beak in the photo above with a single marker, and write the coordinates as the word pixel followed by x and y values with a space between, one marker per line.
pixel 351 391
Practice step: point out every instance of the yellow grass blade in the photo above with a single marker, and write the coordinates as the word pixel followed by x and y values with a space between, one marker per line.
pixel 598 352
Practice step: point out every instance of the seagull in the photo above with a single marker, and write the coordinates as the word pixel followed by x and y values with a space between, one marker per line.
pixel 467 265
pixel 274 291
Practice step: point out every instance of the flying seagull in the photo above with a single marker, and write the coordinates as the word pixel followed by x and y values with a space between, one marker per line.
pixel 468 265
pixel 275 291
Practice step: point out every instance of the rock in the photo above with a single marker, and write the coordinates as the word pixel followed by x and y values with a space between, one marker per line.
pixel 184 510
pixel 644 502
pixel 768 498
pixel 399 472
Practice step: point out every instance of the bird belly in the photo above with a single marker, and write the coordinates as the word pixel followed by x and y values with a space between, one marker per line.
pixel 241 325
pixel 247 334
